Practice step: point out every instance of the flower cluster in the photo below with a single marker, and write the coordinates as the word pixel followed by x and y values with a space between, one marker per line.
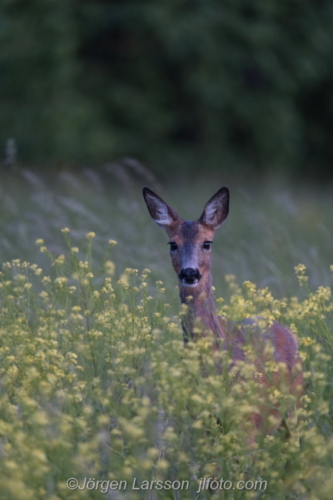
pixel 96 382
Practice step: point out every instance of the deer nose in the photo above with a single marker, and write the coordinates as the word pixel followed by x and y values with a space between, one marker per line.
pixel 189 275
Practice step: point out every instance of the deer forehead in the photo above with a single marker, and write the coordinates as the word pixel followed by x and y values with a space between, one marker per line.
pixel 192 232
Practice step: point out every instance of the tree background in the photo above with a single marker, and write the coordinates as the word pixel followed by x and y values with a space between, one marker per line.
pixel 243 85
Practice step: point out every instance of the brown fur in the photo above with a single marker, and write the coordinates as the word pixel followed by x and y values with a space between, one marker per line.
pixel 189 238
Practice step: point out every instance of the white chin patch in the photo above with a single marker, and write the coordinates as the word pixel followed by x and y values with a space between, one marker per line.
pixel 191 285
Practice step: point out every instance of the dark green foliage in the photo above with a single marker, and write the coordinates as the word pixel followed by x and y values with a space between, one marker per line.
pixel 178 84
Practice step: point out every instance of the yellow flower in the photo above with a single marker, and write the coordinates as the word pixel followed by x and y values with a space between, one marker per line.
pixel 90 235
pixel 300 273
pixel 110 267
pixel 153 452
pixel 113 243
pixel 60 259
pixel 163 464
pixel 307 341
pixel 76 308
pixel 39 241
pixel 65 230
pixel 230 278
pixel 61 280
pixel 303 355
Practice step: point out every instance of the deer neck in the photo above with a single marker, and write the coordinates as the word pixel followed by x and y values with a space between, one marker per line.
pixel 201 309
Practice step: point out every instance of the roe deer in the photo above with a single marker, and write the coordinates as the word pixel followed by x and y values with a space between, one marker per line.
pixel 190 250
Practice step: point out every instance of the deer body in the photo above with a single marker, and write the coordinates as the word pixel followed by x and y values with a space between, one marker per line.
pixel 190 250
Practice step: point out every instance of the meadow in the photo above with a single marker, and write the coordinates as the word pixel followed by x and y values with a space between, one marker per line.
pixel 95 382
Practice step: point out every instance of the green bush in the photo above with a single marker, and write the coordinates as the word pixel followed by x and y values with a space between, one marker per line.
pixel 177 84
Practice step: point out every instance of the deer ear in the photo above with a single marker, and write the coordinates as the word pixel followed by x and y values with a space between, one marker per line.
pixel 160 211
pixel 216 209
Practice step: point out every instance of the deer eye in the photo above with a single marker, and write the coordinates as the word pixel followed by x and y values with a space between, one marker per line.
pixel 207 245
pixel 173 246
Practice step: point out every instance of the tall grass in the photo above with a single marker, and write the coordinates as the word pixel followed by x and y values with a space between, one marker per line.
pixel 95 381
pixel 270 228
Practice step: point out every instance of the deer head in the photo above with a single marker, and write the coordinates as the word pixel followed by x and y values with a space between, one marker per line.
pixel 190 241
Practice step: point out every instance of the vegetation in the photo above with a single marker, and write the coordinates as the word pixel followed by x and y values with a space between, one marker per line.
pixel 271 228
pixel 95 381
pixel 178 84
